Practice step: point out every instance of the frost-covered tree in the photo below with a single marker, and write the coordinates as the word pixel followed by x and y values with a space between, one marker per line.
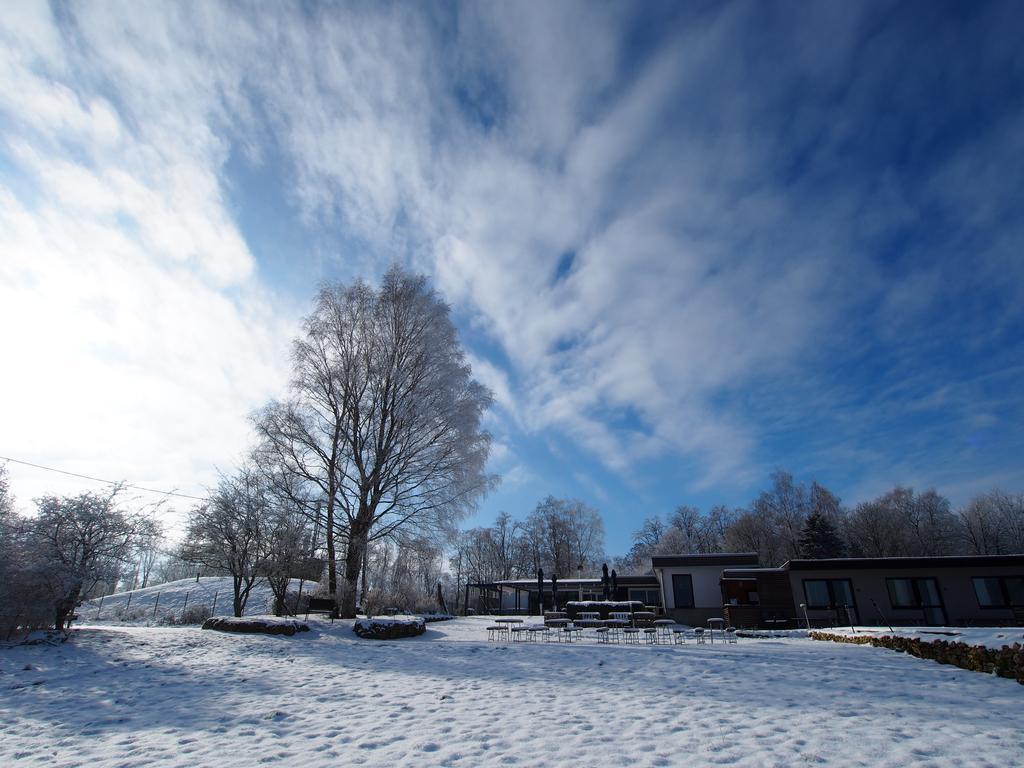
pixel 285 551
pixel 76 542
pixel 383 426
pixel 228 534
pixel 563 534
pixel 993 523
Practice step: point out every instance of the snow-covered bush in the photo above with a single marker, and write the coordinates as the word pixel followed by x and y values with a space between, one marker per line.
pixel 390 628
pixel 262 625
pixel 130 615
pixel 195 614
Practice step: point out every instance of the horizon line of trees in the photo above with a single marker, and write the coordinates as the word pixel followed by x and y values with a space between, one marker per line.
pixel 790 520
pixel 82 546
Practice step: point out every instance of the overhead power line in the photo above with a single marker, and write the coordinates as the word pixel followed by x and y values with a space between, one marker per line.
pixel 101 480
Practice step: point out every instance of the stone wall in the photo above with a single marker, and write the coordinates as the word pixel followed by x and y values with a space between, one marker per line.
pixel 1007 661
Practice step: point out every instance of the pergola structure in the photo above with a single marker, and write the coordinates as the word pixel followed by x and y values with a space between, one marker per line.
pixel 522 596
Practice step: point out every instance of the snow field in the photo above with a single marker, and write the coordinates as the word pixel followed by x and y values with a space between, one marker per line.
pixel 179 696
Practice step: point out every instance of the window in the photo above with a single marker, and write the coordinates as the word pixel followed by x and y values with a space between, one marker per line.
pixel 999 592
pixel 989 592
pixel 831 594
pixel 646 596
pixel 682 590
pixel 817 593
pixel 1015 590
pixel 914 593
pixel 918 594
pixel 901 593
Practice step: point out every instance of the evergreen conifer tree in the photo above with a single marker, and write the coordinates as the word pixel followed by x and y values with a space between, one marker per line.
pixel 819 538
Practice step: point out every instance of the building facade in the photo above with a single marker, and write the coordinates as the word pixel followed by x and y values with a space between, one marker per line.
pixel 907 591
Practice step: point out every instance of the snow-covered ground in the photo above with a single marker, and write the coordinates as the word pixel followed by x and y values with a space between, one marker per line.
pixel 131 695
pixel 990 637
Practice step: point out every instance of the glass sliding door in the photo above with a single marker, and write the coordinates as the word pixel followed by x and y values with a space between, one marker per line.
pixel 921 594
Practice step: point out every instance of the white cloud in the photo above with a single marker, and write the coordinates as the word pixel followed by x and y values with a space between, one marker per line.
pixel 481 146
pixel 137 337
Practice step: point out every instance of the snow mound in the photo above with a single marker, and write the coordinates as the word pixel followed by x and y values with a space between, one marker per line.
pixel 389 628
pixel 267 625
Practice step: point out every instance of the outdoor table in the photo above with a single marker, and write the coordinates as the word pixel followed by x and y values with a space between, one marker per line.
pixel 643 618
pixel 508 621
pixel 712 623
pixel 664 627
pixel 556 623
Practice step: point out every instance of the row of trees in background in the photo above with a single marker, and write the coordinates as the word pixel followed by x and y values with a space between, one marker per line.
pixel 790 520
pixel 562 536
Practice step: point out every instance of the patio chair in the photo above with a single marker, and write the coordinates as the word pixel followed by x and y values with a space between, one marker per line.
pixel 679 635
pixel 698 635
pixel 631 635
pixel 520 633
pixel 730 634
pixel 603 635
pixel 651 635
pixel 497 632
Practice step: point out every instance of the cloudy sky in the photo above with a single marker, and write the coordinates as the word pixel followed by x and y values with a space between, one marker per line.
pixel 686 244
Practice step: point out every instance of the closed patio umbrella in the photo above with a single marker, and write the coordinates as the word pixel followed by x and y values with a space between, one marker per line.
pixel 540 589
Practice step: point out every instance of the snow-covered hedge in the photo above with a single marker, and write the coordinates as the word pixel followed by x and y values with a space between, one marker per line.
pixel 429 617
pixel 267 625
pixel 389 628
pixel 1007 661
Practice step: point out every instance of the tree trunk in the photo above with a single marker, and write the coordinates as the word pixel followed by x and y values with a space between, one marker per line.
pixel 354 553
pixel 332 561
pixel 237 580
pixel 353 567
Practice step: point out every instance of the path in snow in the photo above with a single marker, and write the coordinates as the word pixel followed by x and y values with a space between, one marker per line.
pixel 132 696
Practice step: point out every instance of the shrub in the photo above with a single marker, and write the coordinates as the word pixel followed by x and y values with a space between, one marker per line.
pixel 262 626
pixel 389 629
pixel 195 614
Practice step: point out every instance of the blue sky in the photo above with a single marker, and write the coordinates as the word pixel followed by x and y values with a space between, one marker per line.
pixel 685 244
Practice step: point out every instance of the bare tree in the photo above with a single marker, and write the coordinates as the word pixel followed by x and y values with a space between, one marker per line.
pixel 384 423
pixel 228 534
pixel 993 523
pixel 75 542
pixel 285 551
pixel 563 534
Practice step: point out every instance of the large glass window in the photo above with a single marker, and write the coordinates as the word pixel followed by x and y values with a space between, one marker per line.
pixel 999 592
pixel 920 594
pixel 833 594
pixel 646 596
pixel 914 593
pixel 990 594
pixel 817 594
pixel 682 590
pixel 901 593
pixel 1015 590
